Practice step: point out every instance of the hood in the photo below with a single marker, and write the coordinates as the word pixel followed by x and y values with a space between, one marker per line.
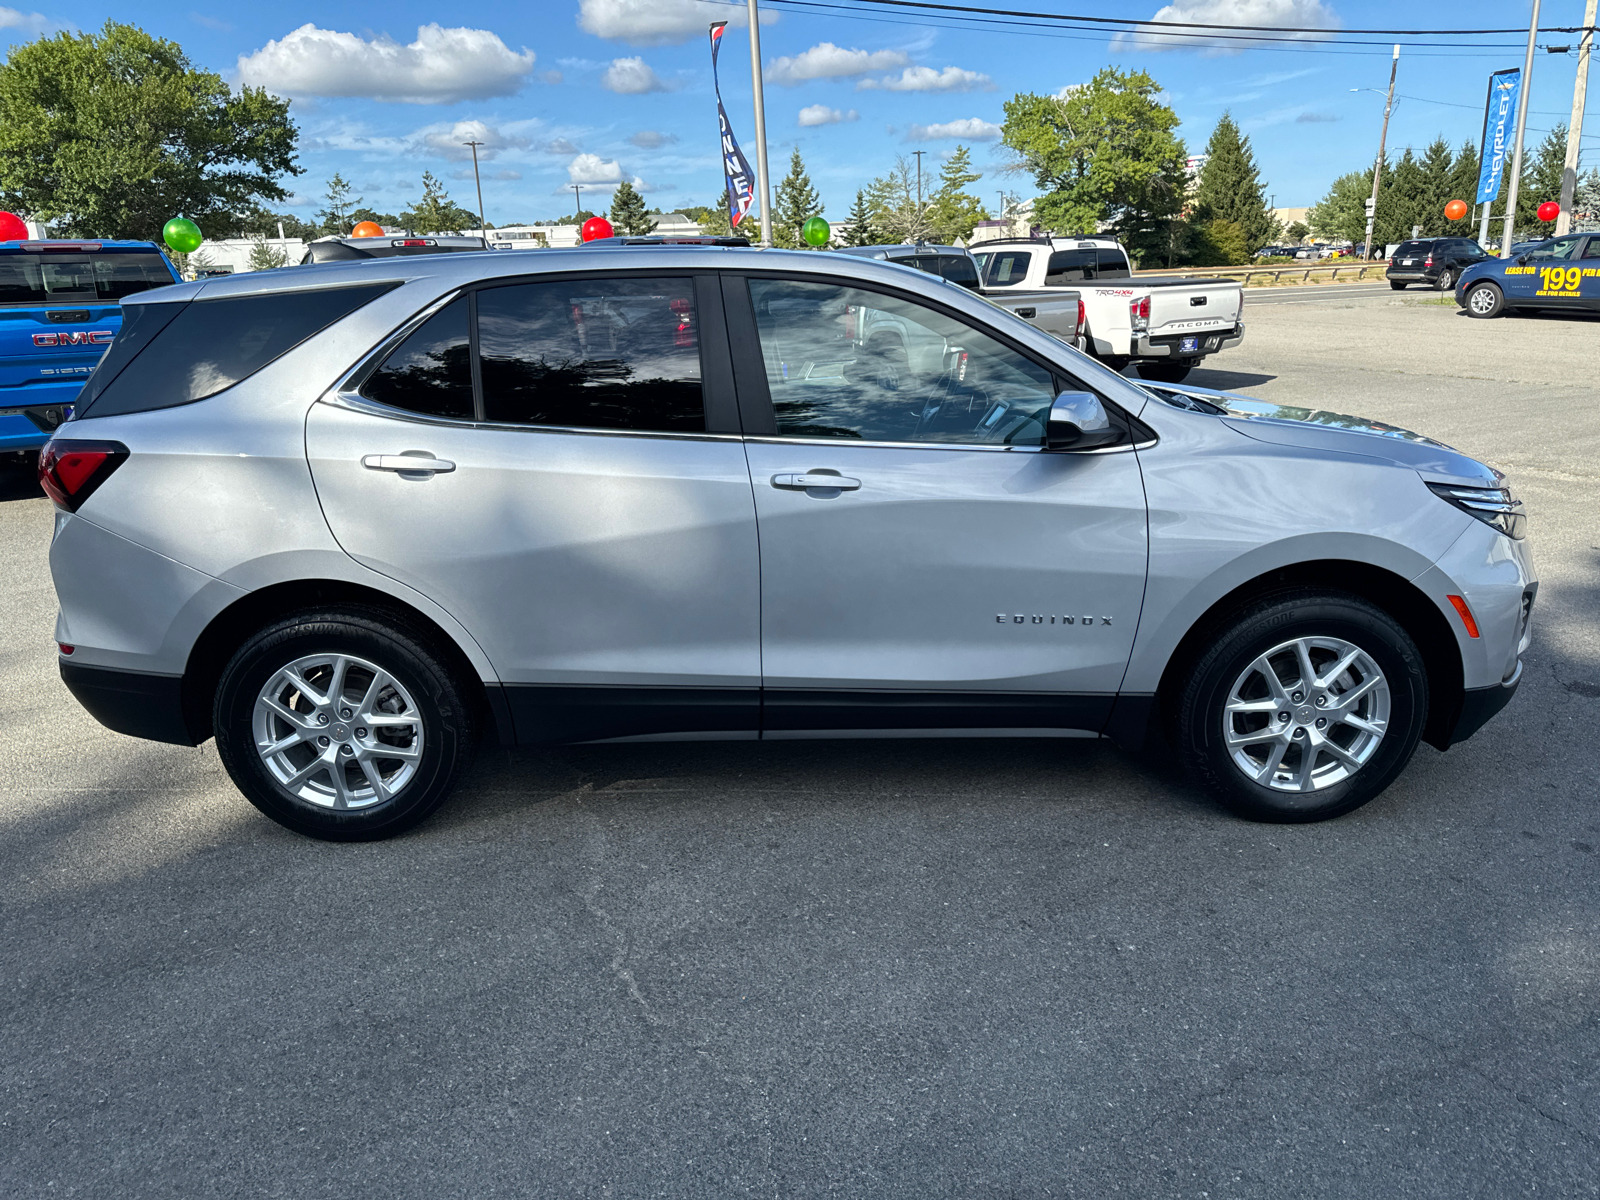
pixel 1316 429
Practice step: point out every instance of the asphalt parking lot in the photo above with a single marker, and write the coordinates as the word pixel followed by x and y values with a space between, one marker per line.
pixel 920 968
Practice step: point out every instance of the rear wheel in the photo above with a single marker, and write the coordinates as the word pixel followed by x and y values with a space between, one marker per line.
pixel 1306 706
pixel 1165 372
pixel 1484 300
pixel 1446 280
pixel 343 724
pixel 1397 285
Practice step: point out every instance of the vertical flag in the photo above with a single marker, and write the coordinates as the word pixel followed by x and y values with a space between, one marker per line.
pixel 1499 113
pixel 735 168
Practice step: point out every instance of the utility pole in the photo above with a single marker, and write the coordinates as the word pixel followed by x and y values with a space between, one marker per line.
pixel 761 125
pixel 483 226
pixel 1383 138
pixel 1522 124
pixel 577 192
pixel 1580 93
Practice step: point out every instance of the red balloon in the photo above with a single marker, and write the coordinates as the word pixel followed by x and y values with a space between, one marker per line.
pixel 596 227
pixel 1549 210
pixel 12 228
pixel 1455 210
pixel 367 229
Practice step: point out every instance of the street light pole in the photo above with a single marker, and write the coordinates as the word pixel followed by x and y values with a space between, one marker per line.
pixel 1522 124
pixel 761 125
pixel 1580 93
pixel 919 154
pixel 483 225
pixel 577 192
pixel 1383 138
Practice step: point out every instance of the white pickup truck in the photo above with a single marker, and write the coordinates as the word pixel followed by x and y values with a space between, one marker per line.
pixel 1164 324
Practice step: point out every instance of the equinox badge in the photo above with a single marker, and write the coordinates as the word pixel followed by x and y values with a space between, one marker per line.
pixel 1045 619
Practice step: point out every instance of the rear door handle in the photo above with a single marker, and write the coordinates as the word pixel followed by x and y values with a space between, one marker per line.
pixel 425 464
pixel 799 483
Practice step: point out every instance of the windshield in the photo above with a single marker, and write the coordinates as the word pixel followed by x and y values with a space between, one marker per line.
pixel 78 278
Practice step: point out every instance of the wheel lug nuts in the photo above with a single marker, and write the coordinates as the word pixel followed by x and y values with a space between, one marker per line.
pixel 360 732
pixel 1283 716
pixel 1322 702
pixel 1322 722
pixel 345 749
pixel 1297 697
pixel 322 718
pixel 1300 733
pixel 345 713
pixel 322 741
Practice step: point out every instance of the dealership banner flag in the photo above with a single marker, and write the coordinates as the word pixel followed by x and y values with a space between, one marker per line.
pixel 735 168
pixel 1499 125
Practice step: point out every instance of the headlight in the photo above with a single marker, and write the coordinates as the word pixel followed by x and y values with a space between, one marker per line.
pixel 1493 506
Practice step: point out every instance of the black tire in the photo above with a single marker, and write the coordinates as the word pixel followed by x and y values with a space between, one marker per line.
pixel 448 728
pixel 1397 285
pixel 1268 623
pixel 1446 281
pixel 1485 301
pixel 1165 372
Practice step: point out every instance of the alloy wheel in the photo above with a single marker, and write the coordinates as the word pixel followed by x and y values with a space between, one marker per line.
pixel 1307 714
pixel 338 731
pixel 1481 300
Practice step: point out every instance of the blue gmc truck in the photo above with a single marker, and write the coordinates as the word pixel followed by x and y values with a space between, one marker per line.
pixel 59 309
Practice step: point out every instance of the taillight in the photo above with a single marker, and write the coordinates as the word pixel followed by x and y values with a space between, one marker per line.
pixel 70 471
pixel 1428 262
pixel 1082 315
pixel 1139 310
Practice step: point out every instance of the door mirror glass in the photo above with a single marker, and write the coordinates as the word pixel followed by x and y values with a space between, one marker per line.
pixel 1078 421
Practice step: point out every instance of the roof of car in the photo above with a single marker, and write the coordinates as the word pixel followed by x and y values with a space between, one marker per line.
pixel 44 245
pixel 899 248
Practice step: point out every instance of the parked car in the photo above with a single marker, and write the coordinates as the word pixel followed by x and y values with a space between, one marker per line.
pixel 947 262
pixel 1558 273
pixel 1166 324
pixel 60 307
pixel 1437 262
pixel 353 249
pixel 356 517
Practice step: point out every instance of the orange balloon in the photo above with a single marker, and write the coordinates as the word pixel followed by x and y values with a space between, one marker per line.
pixel 367 229
pixel 1455 210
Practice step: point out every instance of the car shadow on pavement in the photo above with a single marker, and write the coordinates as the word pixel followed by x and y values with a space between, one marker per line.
pixel 1227 381
pixel 18 480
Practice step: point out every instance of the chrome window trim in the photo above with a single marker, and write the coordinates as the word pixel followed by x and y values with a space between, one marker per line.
pixel 359 403
pixel 768 440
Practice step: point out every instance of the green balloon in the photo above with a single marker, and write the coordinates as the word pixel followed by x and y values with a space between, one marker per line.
pixel 182 234
pixel 815 231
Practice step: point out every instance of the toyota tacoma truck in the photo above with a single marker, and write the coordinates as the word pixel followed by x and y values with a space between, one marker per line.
pixel 1162 324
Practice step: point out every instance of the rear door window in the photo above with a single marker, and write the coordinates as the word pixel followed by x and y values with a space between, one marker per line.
pixel 598 353
pixel 1070 266
pixel 958 268
pixel 1007 268
pixel 210 345
pixel 1111 264
pixel 431 371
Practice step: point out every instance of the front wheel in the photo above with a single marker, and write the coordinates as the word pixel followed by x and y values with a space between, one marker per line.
pixel 1485 300
pixel 1306 706
pixel 1446 281
pixel 343 724
pixel 1165 372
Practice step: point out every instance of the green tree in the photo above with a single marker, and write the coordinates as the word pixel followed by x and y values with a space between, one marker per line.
pixel 863 219
pixel 1298 231
pixel 893 198
pixel 436 212
pixel 797 201
pixel 109 135
pixel 339 217
pixel 1464 185
pixel 367 214
pixel 1400 201
pixel 1586 201
pixel 628 215
pixel 264 256
pixel 1230 187
pixel 1341 215
pixel 1106 155
pixel 1218 243
pixel 953 212
pixel 1435 165
pixel 1541 181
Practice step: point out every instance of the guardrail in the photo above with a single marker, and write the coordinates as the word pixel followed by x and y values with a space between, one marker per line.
pixel 1353 270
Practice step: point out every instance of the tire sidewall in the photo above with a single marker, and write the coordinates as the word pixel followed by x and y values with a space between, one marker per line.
pixel 1493 310
pixel 1270 624
pixel 446 728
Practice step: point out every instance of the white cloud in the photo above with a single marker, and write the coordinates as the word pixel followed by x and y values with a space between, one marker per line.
pixel 508 175
pixel 650 139
pixel 1312 14
pixel 448 141
pixel 827 61
pixel 631 77
pixel 560 145
pixel 658 22
pixel 821 114
pixel 441 67
pixel 926 79
pixel 591 168
pixel 11 18
pixel 967 129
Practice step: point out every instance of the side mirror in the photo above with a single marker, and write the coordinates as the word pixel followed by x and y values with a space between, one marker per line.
pixel 1078 421
pixel 1522 260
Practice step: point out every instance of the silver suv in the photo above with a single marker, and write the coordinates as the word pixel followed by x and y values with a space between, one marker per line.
pixel 351 518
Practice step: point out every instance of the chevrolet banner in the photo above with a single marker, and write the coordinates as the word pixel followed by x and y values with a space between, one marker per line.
pixel 735 169
pixel 1499 124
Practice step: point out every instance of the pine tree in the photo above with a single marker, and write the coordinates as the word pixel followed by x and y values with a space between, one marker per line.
pixel 336 217
pixel 1541 181
pixel 796 202
pixel 266 257
pixel 894 199
pixel 715 221
pixel 628 215
pixel 1464 177
pixel 952 212
pixel 1230 187
pixel 1436 181
pixel 436 212
pixel 863 220
pixel 1586 201
pixel 1399 200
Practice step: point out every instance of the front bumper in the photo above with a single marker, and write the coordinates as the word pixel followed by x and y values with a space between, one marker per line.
pixel 1478 705
pixel 1171 345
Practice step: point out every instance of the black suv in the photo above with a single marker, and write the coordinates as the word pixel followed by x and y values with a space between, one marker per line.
pixel 1435 261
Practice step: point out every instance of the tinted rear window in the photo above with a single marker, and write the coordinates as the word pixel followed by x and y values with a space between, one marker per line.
pixel 1007 268
pixel 209 345
pixel 78 278
pixel 959 269
pixel 1406 249
pixel 431 371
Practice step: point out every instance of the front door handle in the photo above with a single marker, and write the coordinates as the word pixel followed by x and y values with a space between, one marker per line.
pixel 421 463
pixel 799 483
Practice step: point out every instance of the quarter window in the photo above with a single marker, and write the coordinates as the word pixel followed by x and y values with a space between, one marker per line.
pixel 596 353
pixel 846 363
pixel 1592 250
pixel 1558 250
pixel 431 371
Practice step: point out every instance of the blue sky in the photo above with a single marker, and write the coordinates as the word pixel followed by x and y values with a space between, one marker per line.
pixel 599 90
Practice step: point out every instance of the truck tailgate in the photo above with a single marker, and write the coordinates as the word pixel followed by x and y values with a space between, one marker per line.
pixel 1195 307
